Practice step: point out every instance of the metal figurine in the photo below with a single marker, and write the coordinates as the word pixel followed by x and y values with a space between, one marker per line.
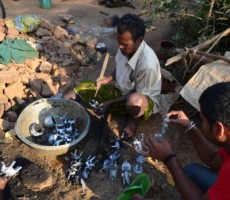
pixel 113 172
pixel 90 163
pixel 79 170
pixel 111 166
pixel 126 172
pixel 138 167
pixel 10 171
pixel 116 144
pixel 164 128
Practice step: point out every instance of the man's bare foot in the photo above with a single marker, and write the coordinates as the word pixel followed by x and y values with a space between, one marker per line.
pixel 130 129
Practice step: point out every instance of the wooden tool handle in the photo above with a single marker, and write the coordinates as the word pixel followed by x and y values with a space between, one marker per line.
pixel 104 66
pixel 106 60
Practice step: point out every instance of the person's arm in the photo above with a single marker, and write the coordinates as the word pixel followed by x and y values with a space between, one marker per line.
pixel 186 187
pixel 207 151
pixel 160 149
pixel 106 79
pixel 3 182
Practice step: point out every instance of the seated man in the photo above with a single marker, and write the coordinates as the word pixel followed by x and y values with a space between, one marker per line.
pixel 196 181
pixel 137 78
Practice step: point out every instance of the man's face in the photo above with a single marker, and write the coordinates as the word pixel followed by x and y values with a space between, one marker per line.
pixel 209 132
pixel 126 44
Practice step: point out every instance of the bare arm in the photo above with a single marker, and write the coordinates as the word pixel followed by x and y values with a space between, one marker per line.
pixel 160 149
pixel 186 187
pixel 207 151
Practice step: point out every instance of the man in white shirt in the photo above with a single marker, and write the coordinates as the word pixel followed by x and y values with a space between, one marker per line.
pixel 137 75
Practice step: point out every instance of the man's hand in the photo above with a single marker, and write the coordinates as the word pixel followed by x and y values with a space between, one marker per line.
pixel 3 182
pixel 157 148
pixel 103 108
pixel 179 118
pixel 105 80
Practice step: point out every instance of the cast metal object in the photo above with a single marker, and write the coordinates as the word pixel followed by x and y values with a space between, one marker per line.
pixel 126 172
pixel 36 129
pixel 138 169
pixel 10 171
pixel 164 128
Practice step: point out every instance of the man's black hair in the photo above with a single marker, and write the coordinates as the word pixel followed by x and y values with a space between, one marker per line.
pixel 215 103
pixel 133 24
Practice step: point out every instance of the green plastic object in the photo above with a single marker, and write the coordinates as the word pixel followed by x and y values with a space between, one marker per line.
pixel 46 4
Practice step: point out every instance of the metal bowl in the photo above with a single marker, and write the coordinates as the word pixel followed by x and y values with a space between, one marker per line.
pixel 39 110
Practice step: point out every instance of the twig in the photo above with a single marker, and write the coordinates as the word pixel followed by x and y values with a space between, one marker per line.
pixel 200 46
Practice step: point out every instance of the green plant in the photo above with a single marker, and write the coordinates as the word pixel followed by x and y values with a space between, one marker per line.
pixel 156 9
pixel 196 21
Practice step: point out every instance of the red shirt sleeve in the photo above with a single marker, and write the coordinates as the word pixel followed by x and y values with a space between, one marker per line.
pixel 221 188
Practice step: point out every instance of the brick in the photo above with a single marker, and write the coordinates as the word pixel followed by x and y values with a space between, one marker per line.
pixel 14 90
pixel 9 76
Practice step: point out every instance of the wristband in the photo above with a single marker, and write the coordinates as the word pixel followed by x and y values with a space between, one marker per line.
pixel 169 157
pixel 192 124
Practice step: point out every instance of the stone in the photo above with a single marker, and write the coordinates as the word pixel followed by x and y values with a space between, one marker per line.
pixel 3 98
pixel 11 116
pixel 67 44
pixel 36 85
pixel 52 53
pixel 2 22
pixel 42 32
pixel 36 178
pixel 7 106
pixel 45 67
pixel 47 25
pixel 32 63
pixel 67 62
pixel 42 76
pixel 14 105
pixel 64 50
pixel 25 78
pixel 13 32
pixel 2 36
pixel 14 90
pixel 46 91
pixel 46 38
pixel 91 43
pixel 35 94
pixel 62 71
pixel 21 103
pixel 67 18
pixel 60 33
pixel 6 125
pixel 9 76
pixel 2 109
pixel 2 30
pixel 63 80
pixel 2 86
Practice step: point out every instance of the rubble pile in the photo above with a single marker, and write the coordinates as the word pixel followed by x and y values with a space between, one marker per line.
pixel 63 56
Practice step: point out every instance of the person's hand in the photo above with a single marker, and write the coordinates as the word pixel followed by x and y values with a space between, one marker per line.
pixel 105 80
pixel 157 148
pixel 179 118
pixel 103 108
pixel 3 182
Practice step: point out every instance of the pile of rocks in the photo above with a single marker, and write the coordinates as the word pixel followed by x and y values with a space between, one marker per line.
pixel 62 58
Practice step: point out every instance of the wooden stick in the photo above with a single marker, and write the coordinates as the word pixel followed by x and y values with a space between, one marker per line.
pixel 210 55
pixel 200 46
pixel 103 70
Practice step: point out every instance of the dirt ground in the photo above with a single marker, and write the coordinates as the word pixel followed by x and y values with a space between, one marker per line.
pixel 88 17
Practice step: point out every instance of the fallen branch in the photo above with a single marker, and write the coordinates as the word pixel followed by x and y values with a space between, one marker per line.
pixel 198 47
pixel 210 55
